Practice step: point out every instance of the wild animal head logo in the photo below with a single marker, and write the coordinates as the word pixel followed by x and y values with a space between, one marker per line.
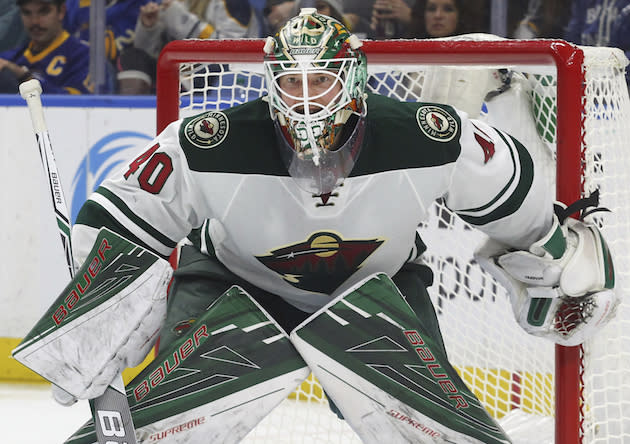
pixel 436 123
pixel 322 262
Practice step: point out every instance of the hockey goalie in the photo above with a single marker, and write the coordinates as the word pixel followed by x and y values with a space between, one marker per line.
pixel 299 212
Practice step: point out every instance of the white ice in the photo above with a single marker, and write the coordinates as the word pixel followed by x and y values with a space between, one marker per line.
pixel 29 415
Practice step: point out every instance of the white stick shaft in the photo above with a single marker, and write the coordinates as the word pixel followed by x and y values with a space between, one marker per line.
pixel 113 401
pixel 31 92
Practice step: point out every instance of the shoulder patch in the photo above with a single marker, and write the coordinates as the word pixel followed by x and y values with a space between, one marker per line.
pixel 436 123
pixel 207 130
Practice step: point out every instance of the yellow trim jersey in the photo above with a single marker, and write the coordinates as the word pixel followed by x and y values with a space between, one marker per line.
pixel 62 67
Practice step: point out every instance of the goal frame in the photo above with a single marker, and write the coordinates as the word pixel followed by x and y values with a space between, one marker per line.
pixel 566 57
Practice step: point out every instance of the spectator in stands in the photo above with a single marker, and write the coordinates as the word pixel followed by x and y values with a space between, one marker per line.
pixel 258 7
pixel 58 60
pixel 359 15
pixel 119 21
pixel 12 31
pixel 390 19
pixel 331 8
pixel 620 33
pixel 159 23
pixel 600 23
pixel 277 12
pixel 544 19
pixel 443 18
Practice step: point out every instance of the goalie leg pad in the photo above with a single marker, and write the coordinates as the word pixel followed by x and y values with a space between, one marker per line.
pixel 215 382
pixel 105 320
pixel 387 375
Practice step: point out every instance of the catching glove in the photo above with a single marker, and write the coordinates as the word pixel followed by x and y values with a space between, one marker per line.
pixel 562 287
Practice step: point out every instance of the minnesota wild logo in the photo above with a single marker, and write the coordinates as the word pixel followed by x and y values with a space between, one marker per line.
pixel 207 130
pixel 436 123
pixel 322 262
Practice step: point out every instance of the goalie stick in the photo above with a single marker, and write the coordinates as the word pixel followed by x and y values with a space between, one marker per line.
pixel 31 91
pixel 112 417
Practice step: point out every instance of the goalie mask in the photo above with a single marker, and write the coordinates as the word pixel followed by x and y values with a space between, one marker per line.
pixel 316 75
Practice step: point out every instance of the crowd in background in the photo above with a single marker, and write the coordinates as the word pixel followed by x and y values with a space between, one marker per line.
pixel 49 39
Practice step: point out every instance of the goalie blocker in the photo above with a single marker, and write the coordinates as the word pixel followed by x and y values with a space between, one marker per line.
pixel 105 320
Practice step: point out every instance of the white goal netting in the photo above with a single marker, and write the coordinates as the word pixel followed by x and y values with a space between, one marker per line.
pixel 571 106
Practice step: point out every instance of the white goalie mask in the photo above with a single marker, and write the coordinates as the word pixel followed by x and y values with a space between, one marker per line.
pixel 316 76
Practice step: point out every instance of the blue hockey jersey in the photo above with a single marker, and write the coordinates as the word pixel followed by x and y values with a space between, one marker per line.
pixel 62 68
pixel 120 22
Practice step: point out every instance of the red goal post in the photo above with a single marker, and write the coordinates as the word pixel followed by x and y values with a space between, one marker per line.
pixel 571 88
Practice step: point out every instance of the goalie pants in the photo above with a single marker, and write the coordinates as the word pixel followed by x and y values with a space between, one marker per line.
pixel 200 279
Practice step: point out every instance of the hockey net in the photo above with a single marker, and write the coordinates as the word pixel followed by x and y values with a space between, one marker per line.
pixel 570 104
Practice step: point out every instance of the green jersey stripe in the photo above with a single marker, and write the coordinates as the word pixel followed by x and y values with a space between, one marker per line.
pixel 153 235
pixel 94 215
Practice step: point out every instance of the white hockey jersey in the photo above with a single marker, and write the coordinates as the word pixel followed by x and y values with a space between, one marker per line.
pixel 220 174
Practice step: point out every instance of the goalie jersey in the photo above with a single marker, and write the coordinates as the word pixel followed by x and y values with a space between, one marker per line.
pixel 218 178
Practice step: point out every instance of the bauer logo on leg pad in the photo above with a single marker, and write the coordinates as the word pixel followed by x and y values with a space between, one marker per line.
pixel 216 381
pixel 375 359
pixel 83 283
